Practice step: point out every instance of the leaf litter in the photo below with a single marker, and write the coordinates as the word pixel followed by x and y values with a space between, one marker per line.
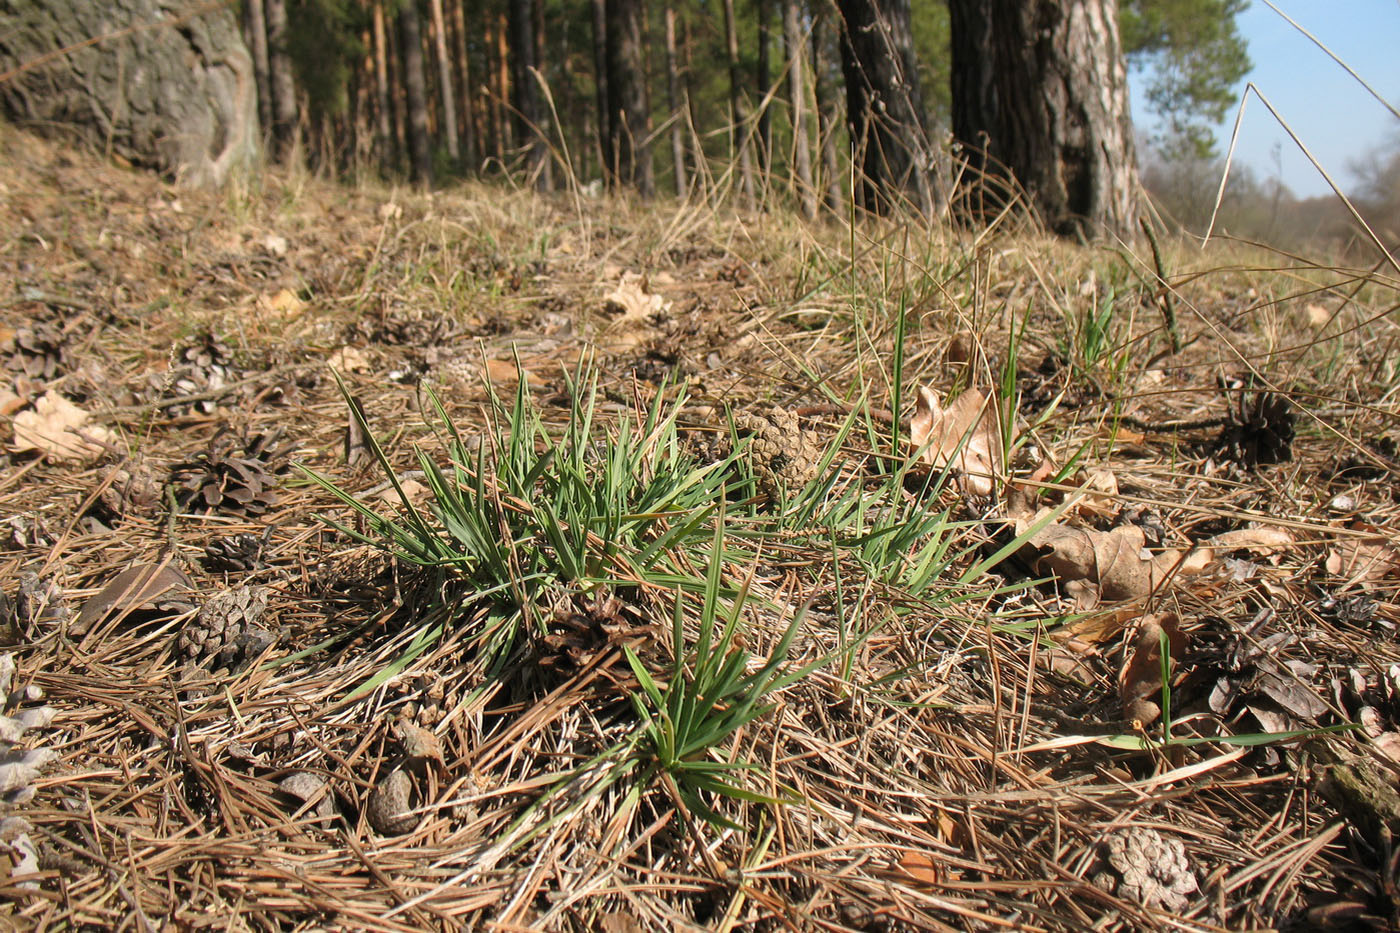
pixel 968 767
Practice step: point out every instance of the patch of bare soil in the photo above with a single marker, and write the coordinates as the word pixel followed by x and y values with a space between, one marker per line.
pixel 987 744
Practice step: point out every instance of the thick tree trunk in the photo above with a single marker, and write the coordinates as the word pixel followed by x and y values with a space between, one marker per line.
pixel 467 129
pixel 500 88
pixel 763 73
pixel 827 110
pixel 884 108
pixel 449 103
pixel 284 91
pixel 525 93
pixel 384 123
pixel 256 30
pixel 1040 102
pixel 416 89
pixel 738 106
pixel 797 94
pixel 673 103
pixel 600 85
pixel 176 93
pixel 628 146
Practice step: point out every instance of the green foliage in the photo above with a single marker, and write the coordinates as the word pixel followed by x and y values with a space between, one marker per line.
pixel 1197 56
pixel 324 43
pixel 522 513
pixel 709 696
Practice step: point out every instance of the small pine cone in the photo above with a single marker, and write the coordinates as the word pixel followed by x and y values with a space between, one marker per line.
pixel 131 491
pixel 240 553
pixel 783 456
pixel 227 632
pixel 39 352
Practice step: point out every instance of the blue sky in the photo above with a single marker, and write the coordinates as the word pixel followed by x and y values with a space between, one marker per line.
pixel 1333 115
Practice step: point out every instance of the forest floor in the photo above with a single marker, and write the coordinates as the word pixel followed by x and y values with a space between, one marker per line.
pixel 708 642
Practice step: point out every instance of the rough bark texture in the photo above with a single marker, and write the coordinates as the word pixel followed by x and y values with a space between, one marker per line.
pixel 165 89
pixel 416 88
pixel 1040 102
pixel 628 149
pixel 673 102
pixel 884 107
pixel 738 105
pixel 444 63
pixel 284 91
pixel 827 109
pixel 525 93
pixel 255 30
pixel 797 95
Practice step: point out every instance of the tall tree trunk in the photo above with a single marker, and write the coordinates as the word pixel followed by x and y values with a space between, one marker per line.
pixel 629 148
pixel 525 95
pixel 467 130
pixel 600 85
pixel 449 103
pixel 383 107
pixel 673 103
pixel 884 108
pixel 797 92
pixel 501 89
pixel 762 74
pixel 1040 101
pixel 543 119
pixel 416 87
pixel 827 108
pixel 738 106
pixel 255 26
pixel 284 91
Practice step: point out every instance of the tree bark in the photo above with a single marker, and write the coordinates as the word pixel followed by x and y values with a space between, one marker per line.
pixel 797 94
pixel 467 129
pixel 525 95
pixel 1040 102
pixel 256 29
pixel 449 103
pixel 884 108
pixel 827 109
pixel 741 128
pixel 763 75
pixel 628 146
pixel 384 109
pixel 284 91
pixel 673 103
pixel 600 86
pixel 416 90
pixel 170 87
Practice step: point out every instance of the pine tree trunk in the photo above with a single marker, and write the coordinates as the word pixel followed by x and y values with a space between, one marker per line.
pixel 256 30
pixel 797 94
pixel 673 103
pixel 467 129
pixel 416 89
pixel 1040 103
pixel 284 92
pixel 884 108
pixel 525 94
pixel 384 109
pixel 763 75
pixel 738 107
pixel 449 104
pixel 501 86
pixel 827 120
pixel 600 86
pixel 628 146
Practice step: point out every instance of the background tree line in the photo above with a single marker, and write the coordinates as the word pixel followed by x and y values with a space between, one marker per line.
pixel 772 97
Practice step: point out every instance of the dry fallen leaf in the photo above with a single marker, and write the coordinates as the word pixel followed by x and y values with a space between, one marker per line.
pixel 55 428
pixel 966 434
pixel 631 299
pixel 135 588
pixel 283 303
pixel 1362 560
pixel 349 360
pixel 419 742
pixel 1140 681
